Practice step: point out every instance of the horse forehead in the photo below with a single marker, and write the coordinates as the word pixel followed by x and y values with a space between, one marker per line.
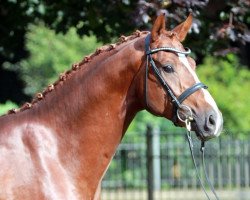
pixel 170 40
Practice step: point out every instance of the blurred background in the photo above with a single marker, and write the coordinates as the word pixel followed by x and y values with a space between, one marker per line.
pixel 39 39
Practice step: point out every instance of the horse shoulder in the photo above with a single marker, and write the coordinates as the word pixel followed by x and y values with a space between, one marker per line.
pixel 30 163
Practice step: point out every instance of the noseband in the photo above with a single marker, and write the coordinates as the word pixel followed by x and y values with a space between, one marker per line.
pixel 177 101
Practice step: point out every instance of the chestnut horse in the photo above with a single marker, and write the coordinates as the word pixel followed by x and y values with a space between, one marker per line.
pixel 60 145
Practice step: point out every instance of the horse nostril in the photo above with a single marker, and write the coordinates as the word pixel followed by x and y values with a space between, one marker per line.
pixel 211 120
pixel 210 123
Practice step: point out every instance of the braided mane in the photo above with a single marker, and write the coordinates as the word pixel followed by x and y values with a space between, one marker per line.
pixel 76 67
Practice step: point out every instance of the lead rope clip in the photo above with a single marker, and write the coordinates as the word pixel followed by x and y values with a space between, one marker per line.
pixel 188 124
pixel 188 127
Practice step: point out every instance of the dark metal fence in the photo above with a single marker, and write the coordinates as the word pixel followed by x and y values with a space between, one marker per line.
pixel 157 165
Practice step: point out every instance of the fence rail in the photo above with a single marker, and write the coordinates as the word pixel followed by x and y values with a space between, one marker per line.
pixel 158 164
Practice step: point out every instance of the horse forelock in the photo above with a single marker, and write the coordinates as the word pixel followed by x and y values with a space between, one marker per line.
pixel 77 67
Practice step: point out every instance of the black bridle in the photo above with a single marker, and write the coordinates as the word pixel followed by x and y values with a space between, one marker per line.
pixel 177 101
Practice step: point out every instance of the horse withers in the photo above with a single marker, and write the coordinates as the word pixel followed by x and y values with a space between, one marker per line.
pixel 60 145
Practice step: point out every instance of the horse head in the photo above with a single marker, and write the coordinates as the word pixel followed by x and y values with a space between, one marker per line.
pixel 171 86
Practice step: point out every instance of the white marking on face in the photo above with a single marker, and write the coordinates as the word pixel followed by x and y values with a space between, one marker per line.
pixel 209 99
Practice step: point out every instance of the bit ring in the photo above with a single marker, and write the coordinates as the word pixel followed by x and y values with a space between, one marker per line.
pixel 184 113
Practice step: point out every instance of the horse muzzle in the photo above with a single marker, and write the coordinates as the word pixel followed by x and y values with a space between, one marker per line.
pixel 207 125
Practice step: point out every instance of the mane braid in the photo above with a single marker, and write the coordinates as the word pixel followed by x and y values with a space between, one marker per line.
pixel 76 67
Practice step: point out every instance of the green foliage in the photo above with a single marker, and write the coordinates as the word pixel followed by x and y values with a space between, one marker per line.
pixel 7 106
pixel 50 55
pixel 229 83
pixel 139 124
pixel 211 31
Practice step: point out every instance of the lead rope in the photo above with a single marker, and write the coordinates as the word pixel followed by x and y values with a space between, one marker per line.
pixel 189 138
pixel 205 171
pixel 191 146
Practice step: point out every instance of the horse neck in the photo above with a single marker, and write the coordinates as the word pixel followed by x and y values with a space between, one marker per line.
pixel 102 87
pixel 92 110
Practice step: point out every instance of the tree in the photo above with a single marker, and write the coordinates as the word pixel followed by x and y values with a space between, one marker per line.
pixel 219 26
pixel 103 19
pixel 50 55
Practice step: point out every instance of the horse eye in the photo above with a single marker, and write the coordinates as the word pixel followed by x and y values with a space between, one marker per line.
pixel 168 68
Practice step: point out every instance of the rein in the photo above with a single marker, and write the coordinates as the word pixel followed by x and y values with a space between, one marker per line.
pixel 177 102
pixel 202 149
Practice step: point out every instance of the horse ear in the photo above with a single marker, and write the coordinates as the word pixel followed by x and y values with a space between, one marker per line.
pixel 158 26
pixel 182 29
